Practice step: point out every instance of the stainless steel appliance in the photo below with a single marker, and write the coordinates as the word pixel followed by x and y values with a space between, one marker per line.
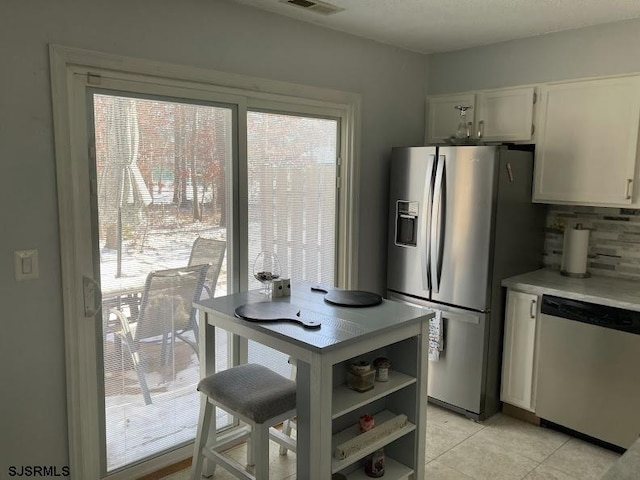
pixel 588 377
pixel 461 220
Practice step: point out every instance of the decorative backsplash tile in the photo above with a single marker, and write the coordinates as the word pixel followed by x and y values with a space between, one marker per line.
pixel 614 241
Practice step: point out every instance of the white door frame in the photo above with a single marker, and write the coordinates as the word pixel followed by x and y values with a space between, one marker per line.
pixel 71 71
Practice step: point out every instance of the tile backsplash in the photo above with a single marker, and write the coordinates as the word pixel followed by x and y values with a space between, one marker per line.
pixel 614 241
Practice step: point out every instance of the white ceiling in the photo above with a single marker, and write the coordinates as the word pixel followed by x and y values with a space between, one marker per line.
pixel 430 26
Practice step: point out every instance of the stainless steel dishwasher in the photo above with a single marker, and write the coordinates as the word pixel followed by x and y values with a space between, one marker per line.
pixel 589 369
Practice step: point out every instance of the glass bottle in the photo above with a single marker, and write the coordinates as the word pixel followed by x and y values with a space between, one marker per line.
pixel 463 132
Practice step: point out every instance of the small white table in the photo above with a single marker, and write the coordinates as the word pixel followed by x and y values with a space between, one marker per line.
pixel 327 410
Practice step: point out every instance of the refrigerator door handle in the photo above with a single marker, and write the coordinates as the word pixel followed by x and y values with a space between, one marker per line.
pixel 438 215
pixel 425 225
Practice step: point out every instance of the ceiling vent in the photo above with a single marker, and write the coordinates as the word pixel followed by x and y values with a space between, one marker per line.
pixel 323 8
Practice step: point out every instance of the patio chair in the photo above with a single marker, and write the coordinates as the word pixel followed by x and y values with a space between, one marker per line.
pixel 166 313
pixel 208 250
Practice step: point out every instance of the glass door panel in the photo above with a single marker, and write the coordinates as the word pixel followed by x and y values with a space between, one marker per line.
pixel 292 205
pixel 161 170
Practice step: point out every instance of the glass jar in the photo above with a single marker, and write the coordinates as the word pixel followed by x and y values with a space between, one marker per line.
pixel 374 465
pixel 382 365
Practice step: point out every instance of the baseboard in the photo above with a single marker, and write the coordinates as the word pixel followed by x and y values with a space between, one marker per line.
pixel 520 414
pixel 168 470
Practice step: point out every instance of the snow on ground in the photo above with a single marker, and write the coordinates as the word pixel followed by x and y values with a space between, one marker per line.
pixel 134 430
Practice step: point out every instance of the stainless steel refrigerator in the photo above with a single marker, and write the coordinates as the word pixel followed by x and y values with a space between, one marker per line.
pixel 461 220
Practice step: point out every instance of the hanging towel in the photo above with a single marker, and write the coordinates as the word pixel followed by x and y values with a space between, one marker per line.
pixel 436 341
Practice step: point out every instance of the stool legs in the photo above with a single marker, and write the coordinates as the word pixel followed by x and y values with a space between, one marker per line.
pixel 260 439
pixel 287 427
pixel 257 448
pixel 251 459
pixel 288 424
pixel 251 393
pixel 204 426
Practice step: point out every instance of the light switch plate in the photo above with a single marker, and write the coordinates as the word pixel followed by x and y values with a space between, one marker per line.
pixel 26 264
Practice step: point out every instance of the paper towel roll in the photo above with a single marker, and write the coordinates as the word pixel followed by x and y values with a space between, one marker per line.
pixel 574 252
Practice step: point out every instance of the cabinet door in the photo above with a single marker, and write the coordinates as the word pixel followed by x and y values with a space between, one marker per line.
pixel 443 117
pixel 519 350
pixel 506 114
pixel 587 144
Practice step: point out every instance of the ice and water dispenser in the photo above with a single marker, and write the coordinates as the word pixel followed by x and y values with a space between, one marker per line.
pixel 406 223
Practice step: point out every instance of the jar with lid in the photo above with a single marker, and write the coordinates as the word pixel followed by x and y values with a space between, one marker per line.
pixel 382 366
pixel 374 465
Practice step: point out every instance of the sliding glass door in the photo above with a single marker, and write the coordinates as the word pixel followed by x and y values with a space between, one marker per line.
pixel 292 164
pixel 292 206
pixel 160 167
pixel 169 187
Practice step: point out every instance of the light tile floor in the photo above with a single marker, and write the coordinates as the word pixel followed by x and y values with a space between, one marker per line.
pixel 501 448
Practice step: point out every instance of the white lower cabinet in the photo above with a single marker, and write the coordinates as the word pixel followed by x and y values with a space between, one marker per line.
pixel 396 408
pixel 519 350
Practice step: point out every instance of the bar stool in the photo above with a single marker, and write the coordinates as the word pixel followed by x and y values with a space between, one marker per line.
pixel 289 424
pixel 261 399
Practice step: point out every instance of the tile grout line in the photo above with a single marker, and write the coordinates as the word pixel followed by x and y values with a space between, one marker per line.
pixel 483 426
pixel 534 468
pixel 549 456
pixel 454 446
pixel 538 463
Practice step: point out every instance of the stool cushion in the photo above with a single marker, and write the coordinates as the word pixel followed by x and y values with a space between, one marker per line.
pixel 251 390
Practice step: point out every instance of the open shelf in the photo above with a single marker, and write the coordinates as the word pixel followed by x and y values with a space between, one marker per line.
pixel 346 400
pixel 352 432
pixel 393 470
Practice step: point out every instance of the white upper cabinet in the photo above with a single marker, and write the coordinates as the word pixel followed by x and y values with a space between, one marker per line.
pixel 505 115
pixel 586 149
pixel 443 117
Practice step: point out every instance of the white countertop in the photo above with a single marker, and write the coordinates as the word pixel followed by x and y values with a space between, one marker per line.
pixel 609 291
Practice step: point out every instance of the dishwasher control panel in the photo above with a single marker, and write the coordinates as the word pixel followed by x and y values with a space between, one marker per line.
pixel 592 313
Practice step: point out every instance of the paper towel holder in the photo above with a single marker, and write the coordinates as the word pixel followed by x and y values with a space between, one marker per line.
pixel 566 273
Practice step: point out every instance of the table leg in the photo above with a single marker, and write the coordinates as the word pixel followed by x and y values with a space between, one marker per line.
pixel 207 354
pixel 319 424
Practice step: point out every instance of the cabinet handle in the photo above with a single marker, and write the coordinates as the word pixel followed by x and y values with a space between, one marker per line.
pixel 628 190
pixel 480 129
pixel 532 309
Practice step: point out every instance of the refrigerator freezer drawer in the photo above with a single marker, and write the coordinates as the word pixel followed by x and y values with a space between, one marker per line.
pixel 456 378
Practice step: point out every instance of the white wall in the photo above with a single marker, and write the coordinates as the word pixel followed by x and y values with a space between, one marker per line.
pixel 589 52
pixel 204 33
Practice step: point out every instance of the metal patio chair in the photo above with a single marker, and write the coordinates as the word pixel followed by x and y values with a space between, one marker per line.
pixel 166 312
pixel 209 250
